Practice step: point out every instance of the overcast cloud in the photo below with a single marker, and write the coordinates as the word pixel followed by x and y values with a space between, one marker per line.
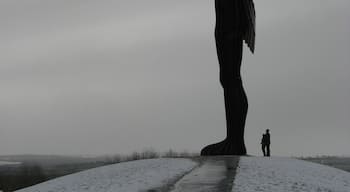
pixel 104 77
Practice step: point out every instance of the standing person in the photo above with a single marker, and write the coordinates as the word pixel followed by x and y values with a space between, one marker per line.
pixel 235 23
pixel 265 143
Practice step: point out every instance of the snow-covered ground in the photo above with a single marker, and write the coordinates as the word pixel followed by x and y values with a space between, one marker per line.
pixel 132 176
pixel 284 174
pixel 9 163
pixel 253 174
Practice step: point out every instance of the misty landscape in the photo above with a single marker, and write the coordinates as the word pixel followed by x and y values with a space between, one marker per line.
pixel 174 96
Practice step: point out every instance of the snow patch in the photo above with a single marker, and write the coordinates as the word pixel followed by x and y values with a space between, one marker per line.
pixel 9 163
pixel 283 174
pixel 132 176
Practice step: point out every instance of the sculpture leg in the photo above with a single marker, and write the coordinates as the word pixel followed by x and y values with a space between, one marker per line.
pixel 230 26
pixel 229 47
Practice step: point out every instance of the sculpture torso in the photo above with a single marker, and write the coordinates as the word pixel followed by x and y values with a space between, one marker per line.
pixel 236 16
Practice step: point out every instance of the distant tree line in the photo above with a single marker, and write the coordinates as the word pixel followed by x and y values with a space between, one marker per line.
pixel 148 154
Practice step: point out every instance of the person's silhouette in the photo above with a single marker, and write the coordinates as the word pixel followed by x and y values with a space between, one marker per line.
pixel 265 143
pixel 235 22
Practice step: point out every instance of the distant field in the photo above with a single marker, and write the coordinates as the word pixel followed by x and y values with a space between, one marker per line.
pixel 337 162
pixel 17 172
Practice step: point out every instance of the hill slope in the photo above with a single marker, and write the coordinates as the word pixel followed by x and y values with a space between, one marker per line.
pixel 130 176
pixel 252 174
pixel 285 174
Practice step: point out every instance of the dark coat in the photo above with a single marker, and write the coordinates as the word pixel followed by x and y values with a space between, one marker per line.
pixel 266 139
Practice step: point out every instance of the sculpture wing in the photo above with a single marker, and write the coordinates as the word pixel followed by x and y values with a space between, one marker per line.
pixel 249 36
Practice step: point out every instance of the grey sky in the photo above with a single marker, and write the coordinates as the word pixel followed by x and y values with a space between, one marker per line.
pixel 102 77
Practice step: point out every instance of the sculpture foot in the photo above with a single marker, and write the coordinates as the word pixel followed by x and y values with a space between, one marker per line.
pixel 225 147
